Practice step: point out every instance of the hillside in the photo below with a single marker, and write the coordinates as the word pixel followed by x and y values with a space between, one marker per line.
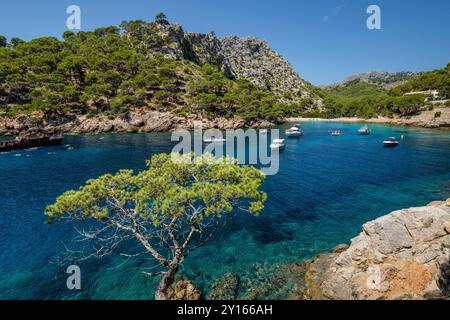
pixel 382 79
pixel 155 66
pixel 367 95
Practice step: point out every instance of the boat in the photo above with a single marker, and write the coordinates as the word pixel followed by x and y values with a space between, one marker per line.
pixel 264 131
pixel 336 133
pixel 391 142
pixel 277 144
pixel 28 140
pixel 294 132
pixel 214 140
pixel 364 130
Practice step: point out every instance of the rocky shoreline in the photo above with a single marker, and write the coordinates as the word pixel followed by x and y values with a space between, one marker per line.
pixel 404 255
pixel 147 120
pixel 137 121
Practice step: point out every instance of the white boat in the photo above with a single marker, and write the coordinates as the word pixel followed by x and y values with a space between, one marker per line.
pixel 294 132
pixel 391 142
pixel 336 133
pixel 264 131
pixel 364 130
pixel 277 144
pixel 214 140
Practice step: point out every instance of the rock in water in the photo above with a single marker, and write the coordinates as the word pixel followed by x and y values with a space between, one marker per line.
pixel 183 290
pixel 404 255
pixel 226 288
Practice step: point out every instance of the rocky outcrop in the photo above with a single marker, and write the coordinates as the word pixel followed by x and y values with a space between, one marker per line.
pixel 183 290
pixel 254 60
pixel 225 288
pixel 140 120
pixel 404 255
pixel 237 57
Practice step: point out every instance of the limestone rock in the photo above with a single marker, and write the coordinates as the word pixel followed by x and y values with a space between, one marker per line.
pixel 254 60
pixel 183 290
pixel 404 255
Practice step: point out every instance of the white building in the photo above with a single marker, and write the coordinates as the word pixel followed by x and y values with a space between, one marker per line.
pixel 433 93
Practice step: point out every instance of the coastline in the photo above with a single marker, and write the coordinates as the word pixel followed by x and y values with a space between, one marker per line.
pixel 426 119
pixel 403 255
pixel 145 121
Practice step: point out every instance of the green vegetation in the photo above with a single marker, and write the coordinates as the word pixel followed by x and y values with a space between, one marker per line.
pixel 171 209
pixel 365 100
pixel 112 70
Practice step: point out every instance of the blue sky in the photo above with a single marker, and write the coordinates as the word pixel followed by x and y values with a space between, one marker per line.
pixel 325 40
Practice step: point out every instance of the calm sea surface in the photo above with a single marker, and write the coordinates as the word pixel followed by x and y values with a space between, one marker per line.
pixel 326 189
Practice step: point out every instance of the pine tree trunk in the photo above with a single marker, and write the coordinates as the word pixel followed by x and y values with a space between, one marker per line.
pixel 168 279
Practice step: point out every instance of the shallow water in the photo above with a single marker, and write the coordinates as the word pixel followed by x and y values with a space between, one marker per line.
pixel 326 189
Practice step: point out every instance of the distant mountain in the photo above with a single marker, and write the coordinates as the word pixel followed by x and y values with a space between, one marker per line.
pixel 381 79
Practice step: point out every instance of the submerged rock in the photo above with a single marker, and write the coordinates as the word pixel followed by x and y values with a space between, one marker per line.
pixel 226 288
pixel 183 290
pixel 404 255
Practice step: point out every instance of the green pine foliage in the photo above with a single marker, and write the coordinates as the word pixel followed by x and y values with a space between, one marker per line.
pixel 111 70
pixel 366 100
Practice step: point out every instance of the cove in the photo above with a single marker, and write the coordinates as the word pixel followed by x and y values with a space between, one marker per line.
pixel 326 189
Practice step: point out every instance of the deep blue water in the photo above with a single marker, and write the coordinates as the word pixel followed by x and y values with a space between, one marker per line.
pixel 326 189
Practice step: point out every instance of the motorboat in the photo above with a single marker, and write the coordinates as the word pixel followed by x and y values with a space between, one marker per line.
pixel 391 142
pixel 264 131
pixel 294 132
pixel 277 144
pixel 336 133
pixel 364 130
pixel 214 140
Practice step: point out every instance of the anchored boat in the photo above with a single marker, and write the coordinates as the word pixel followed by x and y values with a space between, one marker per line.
pixel 391 142
pixel 364 130
pixel 277 144
pixel 214 140
pixel 336 133
pixel 294 132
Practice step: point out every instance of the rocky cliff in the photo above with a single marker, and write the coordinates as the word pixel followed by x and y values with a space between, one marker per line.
pixel 237 57
pixel 404 255
pixel 139 120
pixel 253 59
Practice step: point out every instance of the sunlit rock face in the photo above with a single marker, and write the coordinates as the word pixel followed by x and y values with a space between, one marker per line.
pixel 237 57
pixel 254 60
pixel 404 255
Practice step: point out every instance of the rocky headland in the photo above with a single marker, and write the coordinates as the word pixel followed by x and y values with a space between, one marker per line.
pixel 140 120
pixel 404 255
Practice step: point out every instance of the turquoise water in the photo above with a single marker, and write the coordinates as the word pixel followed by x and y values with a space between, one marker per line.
pixel 326 189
